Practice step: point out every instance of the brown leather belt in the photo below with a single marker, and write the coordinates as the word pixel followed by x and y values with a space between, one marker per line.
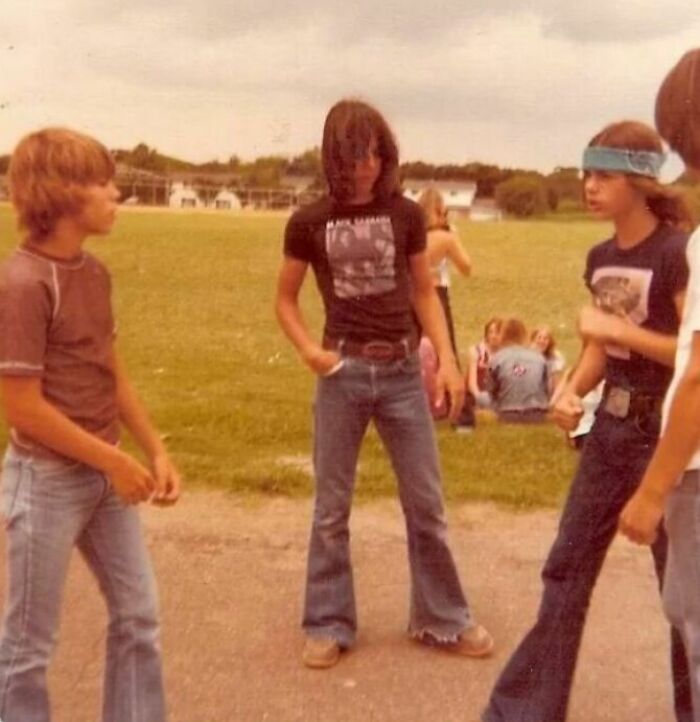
pixel 377 351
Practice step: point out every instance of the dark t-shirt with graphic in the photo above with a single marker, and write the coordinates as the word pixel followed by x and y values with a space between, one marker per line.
pixel 639 283
pixel 360 257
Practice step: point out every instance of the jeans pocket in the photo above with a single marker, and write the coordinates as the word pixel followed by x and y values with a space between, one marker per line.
pixel 11 483
pixel 409 365
pixel 336 369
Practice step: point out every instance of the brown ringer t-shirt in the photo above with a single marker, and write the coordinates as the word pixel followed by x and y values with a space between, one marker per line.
pixel 56 323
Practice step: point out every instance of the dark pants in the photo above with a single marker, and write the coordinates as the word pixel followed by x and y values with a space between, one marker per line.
pixel 536 683
pixel 466 417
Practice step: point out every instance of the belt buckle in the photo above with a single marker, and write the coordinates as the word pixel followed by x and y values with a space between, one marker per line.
pixel 379 351
pixel 617 402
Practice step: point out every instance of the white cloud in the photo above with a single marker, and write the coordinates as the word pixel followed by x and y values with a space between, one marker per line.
pixel 492 82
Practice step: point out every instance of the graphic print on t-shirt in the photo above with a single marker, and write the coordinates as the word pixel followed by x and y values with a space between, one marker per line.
pixel 361 254
pixel 623 291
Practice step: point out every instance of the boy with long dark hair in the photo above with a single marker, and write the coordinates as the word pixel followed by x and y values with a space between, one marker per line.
pixel 637 280
pixel 366 245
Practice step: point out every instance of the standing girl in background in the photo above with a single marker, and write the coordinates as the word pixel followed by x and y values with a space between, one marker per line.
pixel 443 246
pixel 637 279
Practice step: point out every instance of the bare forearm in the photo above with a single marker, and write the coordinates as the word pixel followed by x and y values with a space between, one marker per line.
pixel 45 424
pixel 679 442
pixel 655 346
pixel 135 418
pixel 294 326
pixel 472 381
pixel 432 319
pixel 589 370
pixel 460 258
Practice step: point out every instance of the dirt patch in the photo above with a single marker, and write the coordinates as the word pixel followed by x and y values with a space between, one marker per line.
pixel 230 574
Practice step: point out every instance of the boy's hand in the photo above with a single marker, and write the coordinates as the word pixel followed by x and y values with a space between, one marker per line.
pixel 323 362
pixel 641 516
pixel 567 410
pixel 450 380
pixel 598 325
pixel 168 481
pixel 131 480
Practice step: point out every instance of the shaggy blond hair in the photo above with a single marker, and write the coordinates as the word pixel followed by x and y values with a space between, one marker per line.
pixel 49 171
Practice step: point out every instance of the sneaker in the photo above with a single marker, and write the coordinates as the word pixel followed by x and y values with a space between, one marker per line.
pixel 320 652
pixel 474 641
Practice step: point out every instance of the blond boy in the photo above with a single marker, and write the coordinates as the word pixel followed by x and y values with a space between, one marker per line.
pixel 65 481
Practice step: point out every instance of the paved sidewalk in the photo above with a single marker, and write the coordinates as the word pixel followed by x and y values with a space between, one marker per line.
pixel 230 572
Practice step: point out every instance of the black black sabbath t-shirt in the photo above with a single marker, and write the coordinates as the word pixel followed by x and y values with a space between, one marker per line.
pixel 640 284
pixel 360 258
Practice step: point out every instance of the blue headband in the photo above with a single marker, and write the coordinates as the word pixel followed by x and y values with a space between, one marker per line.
pixel 619 160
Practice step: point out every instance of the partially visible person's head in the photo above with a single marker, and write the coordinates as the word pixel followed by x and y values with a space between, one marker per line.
pixel 492 332
pixel 678 108
pixel 50 174
pixel 433 205
pixel 354 132
pixel 541 338
pixel 513 332
pixel 621 168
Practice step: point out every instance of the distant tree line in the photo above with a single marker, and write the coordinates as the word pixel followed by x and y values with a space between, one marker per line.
pixel 265 171
pixel 521 193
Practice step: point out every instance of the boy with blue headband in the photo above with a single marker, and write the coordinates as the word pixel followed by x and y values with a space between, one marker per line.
pixel 671 482
pixel 637 279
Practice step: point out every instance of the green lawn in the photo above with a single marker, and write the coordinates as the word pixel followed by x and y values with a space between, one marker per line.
pixel 193 296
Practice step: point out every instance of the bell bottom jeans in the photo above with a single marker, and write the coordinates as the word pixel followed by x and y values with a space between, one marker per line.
pixel 392 395
pixel 536 682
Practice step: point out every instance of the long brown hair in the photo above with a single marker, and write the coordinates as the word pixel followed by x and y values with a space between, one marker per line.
pixel 551 346
pixel 667 203
pixel 349 128
pixel 433 205
pixel 678 108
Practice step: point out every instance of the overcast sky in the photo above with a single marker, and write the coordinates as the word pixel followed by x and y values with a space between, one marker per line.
pixel 498 81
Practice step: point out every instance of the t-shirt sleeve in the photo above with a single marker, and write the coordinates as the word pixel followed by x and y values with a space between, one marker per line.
pixel 691 318
pixel 675 266
pixel 297 239
pixel 556 364
pixel 416 240
pixel 25 317
pixel 590 267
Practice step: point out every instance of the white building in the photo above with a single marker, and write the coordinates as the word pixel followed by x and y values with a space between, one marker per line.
pixel 485 209
pixel 458 195
pixel 182 196
pixel 227 201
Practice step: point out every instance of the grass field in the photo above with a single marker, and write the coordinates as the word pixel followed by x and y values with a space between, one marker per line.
pixel 193 297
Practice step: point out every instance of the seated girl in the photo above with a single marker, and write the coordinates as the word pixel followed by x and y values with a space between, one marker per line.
pixel 479 360
pixel 541 339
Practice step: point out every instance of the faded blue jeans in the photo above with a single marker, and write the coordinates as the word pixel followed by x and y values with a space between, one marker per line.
pixel 536 682
pixel 682 583
pixel 49 508
pixel 392 395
